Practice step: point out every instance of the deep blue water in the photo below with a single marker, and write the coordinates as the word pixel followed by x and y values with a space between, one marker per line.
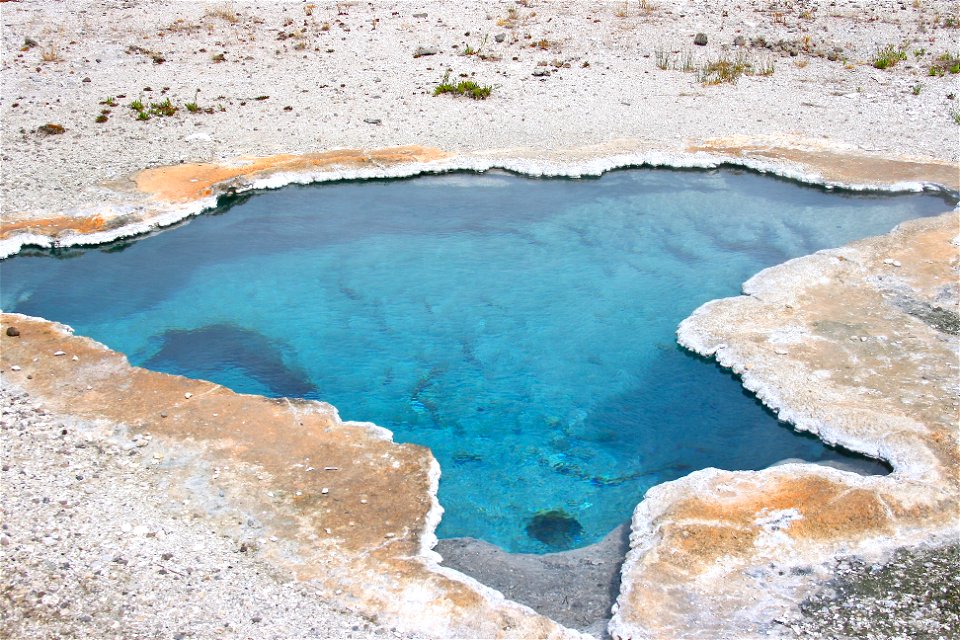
pixel 522 329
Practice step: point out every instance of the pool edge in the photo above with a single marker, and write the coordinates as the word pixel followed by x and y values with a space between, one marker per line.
pixel 163 196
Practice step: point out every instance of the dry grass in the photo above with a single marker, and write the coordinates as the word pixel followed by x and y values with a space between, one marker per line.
pixel 224 12
pixel 51 54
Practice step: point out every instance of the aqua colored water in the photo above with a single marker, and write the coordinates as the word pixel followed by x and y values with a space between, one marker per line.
pixel 522 329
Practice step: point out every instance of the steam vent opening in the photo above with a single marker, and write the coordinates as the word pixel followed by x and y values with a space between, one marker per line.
pixel 522 329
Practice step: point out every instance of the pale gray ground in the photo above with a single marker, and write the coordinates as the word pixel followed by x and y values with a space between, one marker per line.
pixel 914 594
pixel 576 588
pixel 343 74
pixel 92 546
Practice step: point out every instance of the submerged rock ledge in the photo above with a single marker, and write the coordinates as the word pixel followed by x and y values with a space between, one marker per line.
pixel 715 553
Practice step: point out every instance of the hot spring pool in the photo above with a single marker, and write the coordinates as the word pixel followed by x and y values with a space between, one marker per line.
pixel 523 329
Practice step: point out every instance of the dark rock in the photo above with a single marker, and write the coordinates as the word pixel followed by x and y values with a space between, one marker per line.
pixel 373 120
pixel 739 41
pixel 424 51
pixel 500 37
pixel 29 43
pixel 700 40
pixel 540 73
pixel 13 332
pixel 420 15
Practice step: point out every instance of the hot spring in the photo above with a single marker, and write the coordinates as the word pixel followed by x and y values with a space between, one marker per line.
pixel 523 329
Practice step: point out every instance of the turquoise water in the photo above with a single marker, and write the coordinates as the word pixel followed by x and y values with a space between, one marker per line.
pixel 522 329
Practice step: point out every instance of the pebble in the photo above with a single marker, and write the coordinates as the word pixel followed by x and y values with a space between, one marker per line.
pixel 59 353
pixel 13 332
pixel 325 491
pixel 188 395
pixel 15 367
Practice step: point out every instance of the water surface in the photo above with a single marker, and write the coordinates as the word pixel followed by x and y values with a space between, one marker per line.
pixel 522 329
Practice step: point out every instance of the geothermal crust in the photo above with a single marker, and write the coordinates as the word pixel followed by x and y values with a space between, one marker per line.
pixel 857 344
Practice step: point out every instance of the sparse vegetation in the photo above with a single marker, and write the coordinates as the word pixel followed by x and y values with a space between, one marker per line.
pixel 724 70
pixel 51 54
pixel 955 114
pixel 945 63
pixel 467 88
pixel 916 89
pixel 51 129
pixel 888 56
pixel 712 72
pixel 223 12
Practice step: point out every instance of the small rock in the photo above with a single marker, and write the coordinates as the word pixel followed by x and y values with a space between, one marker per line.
pixel 75 358
pixel 59 353
pixel 539 73
pixel 188 395
pixel 888 261
pixel 13 332
pixel 15 367
pixel 500 37
pixel 700 40
pixel 373 120
pixel 324 491
pixel 424 51
pixel 87 79
pixel 897 263
pixel 739 41
pixel 420 15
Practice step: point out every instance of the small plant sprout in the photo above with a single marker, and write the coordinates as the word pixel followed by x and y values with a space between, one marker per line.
pixel 110 101
pixel 955 114
pixel 193 107
pixel 137 105
pixel 916 89
pixel 888 56
pixel 662 57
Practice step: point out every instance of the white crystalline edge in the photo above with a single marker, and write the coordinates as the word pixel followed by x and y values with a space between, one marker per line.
pixel 171 213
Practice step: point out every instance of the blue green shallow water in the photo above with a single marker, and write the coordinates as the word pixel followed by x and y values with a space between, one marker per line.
pixel 522 329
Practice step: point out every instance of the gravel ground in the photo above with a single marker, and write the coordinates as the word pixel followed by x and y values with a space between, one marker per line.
pixel 93 546
pixel 294 77
pixel 914 594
